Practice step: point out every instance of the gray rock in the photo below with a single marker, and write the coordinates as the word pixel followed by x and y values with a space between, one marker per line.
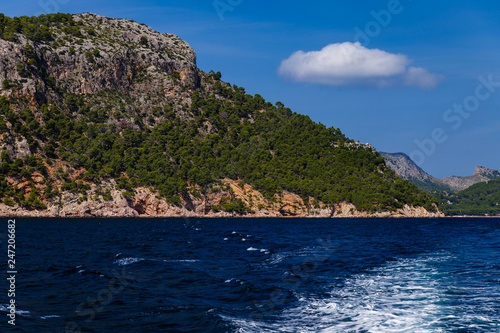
pixel 404 167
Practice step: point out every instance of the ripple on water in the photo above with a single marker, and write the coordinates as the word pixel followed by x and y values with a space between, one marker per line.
pixel 406 295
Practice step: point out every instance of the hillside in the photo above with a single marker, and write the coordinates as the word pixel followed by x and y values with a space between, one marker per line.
pixel 481 174
pixel 106 117
pixel 479 199
pixel 404 167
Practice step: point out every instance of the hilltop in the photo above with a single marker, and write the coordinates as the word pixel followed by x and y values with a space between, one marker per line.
pixel 106 117
pixel 481 174
pixel 404 167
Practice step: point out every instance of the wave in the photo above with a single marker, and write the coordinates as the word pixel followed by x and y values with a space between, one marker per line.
pixel 127 261
pixel 49 317
pixel 3 308
pixel 406 295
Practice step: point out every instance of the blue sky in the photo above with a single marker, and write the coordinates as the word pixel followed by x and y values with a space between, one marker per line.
pixel 428 57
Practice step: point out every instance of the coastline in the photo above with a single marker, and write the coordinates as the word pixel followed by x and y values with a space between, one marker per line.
pixel 148 204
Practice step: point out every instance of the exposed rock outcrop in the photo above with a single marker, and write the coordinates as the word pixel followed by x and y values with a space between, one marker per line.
pixel 147 204
pixel 407 169
pixel 124 57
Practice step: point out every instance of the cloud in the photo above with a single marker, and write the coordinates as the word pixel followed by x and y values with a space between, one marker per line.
pixel 421 77
pixel 351 64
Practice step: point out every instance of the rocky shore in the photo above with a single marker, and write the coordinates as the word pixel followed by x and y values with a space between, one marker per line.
pixel 147 204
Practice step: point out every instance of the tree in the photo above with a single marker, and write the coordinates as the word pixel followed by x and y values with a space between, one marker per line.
pixel 216 76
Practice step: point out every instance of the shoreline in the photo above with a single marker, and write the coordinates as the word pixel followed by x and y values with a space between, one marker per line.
pixel 147 204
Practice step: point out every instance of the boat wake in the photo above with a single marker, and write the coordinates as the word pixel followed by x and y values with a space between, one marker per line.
pixel 406 295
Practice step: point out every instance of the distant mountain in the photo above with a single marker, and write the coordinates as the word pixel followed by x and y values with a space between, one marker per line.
pixel 482 199
pixel 481 174
pixel 404 167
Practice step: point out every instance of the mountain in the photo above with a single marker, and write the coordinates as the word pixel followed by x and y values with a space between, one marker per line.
pixel 404 167
pixel 481 174
pixel 479 199
pixel 106 117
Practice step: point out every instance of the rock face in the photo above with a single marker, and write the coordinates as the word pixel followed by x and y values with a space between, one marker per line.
pixel 116 55
pixel 481 174
pixel 146 204
pixel 407 169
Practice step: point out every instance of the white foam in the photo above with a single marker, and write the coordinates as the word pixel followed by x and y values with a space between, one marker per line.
pixel 22 312
pixel 3 308
pixel 278 257
pixel 50 316
pixel 127 261
pixel 401 296
pixel 260 250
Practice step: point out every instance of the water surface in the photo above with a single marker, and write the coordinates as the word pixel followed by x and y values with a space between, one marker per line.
pixel 257 275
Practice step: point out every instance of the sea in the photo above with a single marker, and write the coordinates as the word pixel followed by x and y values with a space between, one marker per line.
pixel 253 275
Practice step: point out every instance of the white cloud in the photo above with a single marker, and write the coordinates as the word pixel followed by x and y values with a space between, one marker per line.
pixel 351 64
pixel 421 77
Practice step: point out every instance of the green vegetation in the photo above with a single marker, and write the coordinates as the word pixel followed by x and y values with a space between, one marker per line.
pixel 479 199
pixel 216 76
pixel 224 133
pixel 430 186
pixel 274 150
pixel 36 29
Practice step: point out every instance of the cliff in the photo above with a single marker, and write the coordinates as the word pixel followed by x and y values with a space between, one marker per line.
pixel 100 54
pixel 147 204
pixel 407 169
pixel 481 174
pixel 106 117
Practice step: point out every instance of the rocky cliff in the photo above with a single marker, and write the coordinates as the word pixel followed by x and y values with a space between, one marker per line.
pixel 107 117
pixel 147 204
pixel 481 174
pixel 100 54
pixel 404 167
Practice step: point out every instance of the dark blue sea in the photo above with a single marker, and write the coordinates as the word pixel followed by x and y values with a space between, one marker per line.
pixel 255 275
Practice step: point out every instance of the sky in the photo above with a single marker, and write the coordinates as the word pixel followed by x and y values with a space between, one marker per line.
pixel 415 76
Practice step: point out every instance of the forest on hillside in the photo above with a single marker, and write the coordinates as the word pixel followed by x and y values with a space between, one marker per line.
pixel 175 149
